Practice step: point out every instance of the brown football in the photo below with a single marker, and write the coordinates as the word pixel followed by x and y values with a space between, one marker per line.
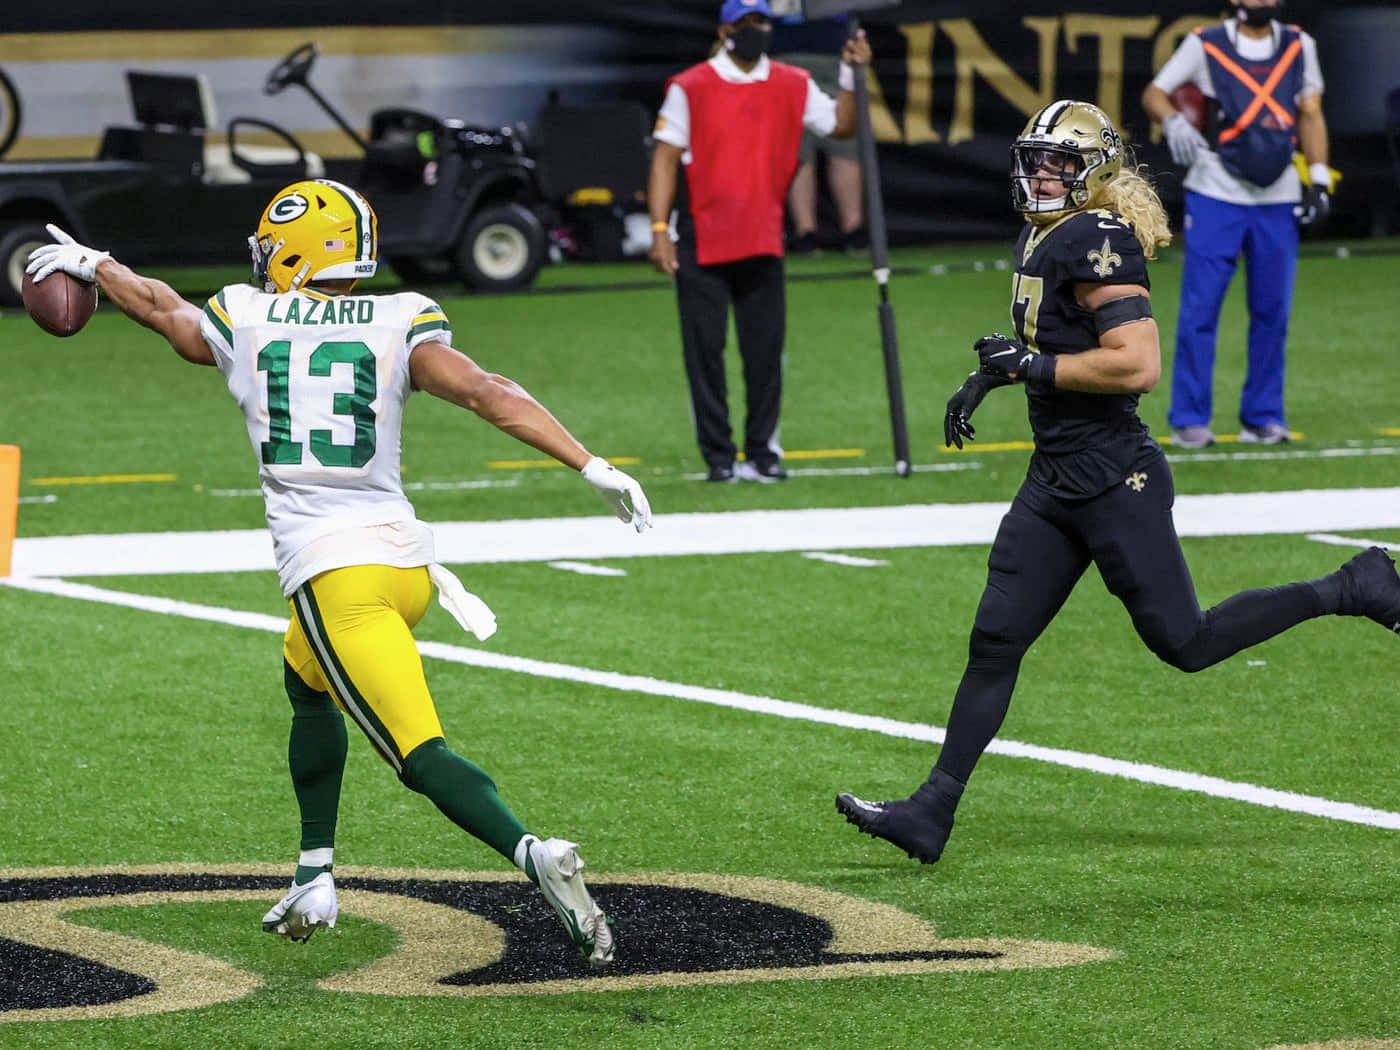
pixel 59 304
pixel 1192 103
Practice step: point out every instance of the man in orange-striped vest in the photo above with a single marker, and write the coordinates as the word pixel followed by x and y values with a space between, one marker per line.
pixel 1263 101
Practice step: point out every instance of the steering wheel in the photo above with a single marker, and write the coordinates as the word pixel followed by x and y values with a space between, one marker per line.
pixel 292 70
pixel 293 170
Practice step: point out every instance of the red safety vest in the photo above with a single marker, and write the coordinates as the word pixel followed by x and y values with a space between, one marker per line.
pixel 743 144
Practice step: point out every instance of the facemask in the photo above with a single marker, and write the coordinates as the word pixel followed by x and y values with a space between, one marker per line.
pixel 748 43
pixel 1257 16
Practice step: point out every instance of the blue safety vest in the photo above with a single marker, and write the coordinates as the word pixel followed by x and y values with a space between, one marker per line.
pixel 1257 129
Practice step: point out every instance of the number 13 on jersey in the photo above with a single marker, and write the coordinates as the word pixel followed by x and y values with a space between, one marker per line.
pixel 320 391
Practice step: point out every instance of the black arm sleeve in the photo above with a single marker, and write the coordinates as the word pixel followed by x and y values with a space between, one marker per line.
pixel 1123 310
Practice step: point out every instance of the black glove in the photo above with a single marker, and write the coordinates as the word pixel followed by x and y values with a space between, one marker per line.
pixel 957 419
pixel 1012 360
pixel 1314 209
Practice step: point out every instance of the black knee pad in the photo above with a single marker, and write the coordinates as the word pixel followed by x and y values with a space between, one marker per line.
pixel 1191 657
pixel 993 648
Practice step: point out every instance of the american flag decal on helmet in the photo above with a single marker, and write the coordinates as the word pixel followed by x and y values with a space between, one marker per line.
pixel 337 245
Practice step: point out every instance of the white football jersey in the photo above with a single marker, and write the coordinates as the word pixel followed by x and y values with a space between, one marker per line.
pixel 322 383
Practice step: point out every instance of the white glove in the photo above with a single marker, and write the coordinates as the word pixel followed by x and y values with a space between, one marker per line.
pixel 67 255
pixel 1183 139
pixel 618 491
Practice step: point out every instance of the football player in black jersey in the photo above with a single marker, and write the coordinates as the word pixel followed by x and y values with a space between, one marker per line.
pixel 1098 489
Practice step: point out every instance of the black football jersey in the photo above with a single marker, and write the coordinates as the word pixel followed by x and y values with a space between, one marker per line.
pixel 1085 443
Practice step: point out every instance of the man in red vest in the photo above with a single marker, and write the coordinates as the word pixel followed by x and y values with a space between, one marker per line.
pixel 735 123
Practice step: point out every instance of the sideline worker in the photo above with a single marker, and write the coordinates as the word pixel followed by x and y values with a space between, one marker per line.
pixel 1262 80
pixel 736 122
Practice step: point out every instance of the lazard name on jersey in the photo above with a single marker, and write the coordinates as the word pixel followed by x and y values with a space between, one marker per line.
pixel 339 311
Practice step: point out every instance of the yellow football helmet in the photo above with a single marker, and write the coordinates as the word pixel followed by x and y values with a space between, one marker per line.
pixel 1068 152
pixel 314 230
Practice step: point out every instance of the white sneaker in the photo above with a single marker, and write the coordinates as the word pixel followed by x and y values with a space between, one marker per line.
pixel 557 866
pixel 1268 434
pixel 1196 435
pixel 304 910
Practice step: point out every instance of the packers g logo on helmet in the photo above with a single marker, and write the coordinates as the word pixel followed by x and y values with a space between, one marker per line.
pixel 285 209
pixel 1069 147
pixel 314 230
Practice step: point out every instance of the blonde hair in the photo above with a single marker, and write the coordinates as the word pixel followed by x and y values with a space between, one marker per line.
pixel 1134 198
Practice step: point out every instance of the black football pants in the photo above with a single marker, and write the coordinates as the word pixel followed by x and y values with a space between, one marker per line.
pixel 755 287
pixel 1042 548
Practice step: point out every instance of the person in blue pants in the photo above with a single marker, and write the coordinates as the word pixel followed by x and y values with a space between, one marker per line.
pixel 1262 88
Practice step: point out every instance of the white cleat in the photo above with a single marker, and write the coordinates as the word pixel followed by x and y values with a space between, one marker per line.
pixel 557 867
pixel 304 910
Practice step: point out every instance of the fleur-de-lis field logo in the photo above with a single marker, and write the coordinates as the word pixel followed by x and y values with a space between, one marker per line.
pixel 1137 482
pixel 1105 260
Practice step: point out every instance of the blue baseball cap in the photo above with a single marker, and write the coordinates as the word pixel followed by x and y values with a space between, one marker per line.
pixel 733 10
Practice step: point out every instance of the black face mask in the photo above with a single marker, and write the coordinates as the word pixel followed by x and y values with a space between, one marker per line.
pixel 748 43
pixel 1258 16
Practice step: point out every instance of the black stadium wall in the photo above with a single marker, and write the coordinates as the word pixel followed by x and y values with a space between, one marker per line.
pixel 953 81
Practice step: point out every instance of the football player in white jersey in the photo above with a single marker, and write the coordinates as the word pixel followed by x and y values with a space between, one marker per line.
pixel 322 375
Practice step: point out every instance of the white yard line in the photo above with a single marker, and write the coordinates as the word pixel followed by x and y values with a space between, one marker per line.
pixel 583 568
pixel 734 532
pixel 1351 541
pixel 1177 459
pixel 409 486
pixel 845 559
pixel 951 467
pixel 1138 771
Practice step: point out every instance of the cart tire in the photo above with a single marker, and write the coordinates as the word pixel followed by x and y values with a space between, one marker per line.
pixel 502 249
pixel 17 240
pixel 9 113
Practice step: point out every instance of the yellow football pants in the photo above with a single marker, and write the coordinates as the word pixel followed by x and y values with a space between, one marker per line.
pixel 351 635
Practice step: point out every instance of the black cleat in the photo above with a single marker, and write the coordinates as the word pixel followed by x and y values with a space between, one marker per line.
pixel 917 825
pixel 723 473
pixel 1371 588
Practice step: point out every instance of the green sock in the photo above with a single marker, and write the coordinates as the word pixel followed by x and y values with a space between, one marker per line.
pixel 464 793
pixel 316 758
pixel 312 862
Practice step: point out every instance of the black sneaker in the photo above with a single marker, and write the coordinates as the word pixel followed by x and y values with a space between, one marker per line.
pixel 806 244
pixel 1371 587
pixel 919 825
pixel 722 473
pixel 857 242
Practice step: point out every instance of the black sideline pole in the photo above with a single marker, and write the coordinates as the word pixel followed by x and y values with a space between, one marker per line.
pixel 880 264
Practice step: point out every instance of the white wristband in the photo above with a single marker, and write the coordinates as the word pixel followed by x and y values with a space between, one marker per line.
pixel 846 78
pixel 1320 175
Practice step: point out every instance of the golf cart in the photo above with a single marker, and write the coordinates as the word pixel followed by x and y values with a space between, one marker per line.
pixel 453 200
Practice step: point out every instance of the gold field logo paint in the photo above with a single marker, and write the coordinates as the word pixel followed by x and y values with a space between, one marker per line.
pixel 468 934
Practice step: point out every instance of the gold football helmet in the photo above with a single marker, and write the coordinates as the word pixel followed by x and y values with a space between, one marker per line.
pixel 1067 153
pixel 314 230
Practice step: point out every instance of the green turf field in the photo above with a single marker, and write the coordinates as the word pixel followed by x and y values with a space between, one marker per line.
pixel 1072 909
